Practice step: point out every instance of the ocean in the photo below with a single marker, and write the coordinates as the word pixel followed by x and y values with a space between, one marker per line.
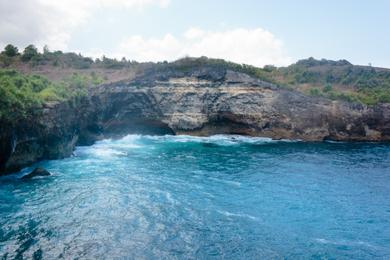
pixel 218 197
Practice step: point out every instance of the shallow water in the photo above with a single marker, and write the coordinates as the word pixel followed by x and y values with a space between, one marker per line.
pixel 180 197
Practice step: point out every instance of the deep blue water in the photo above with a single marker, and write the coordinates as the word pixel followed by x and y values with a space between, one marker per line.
pixel 223 197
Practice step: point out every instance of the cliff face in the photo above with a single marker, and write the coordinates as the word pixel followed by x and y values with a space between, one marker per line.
pixel 234 104
pixel 51 135
pixel 198 103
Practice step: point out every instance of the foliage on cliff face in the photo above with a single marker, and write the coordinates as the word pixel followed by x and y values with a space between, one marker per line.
pixel 22 96
pixel 18 94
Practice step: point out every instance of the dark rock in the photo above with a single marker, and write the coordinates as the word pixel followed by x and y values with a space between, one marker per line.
pixel 35 173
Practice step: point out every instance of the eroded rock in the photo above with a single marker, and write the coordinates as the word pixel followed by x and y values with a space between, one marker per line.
pixel 200 102
pixel 36 173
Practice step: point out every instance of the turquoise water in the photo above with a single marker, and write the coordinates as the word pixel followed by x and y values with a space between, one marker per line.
pixel 223 197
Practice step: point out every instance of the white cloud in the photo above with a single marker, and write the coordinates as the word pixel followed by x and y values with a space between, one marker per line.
pixel 52 22
pixel 153 49
pixel 194 33
pixel 250 46
pixel 132 3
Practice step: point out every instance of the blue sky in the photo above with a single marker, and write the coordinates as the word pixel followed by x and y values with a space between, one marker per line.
pixel 248 31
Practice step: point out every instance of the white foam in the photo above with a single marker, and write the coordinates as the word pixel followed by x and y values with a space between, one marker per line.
pixel 107 152
pixel 119 147
pixel 214 139
pixel 238 215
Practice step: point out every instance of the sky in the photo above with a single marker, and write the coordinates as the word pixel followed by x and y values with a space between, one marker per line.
pixel 253 32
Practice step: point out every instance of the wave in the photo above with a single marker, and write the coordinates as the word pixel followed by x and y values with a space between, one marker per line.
pixel 214 139
pixel 237 215
pixel 109 148
pixel 119 147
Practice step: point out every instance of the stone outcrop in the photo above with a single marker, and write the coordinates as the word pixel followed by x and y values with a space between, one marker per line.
pixel 52 134
pixel 199 102
pixel 37 172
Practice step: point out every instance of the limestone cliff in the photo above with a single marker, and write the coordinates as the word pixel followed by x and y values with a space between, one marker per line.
pixel 199 102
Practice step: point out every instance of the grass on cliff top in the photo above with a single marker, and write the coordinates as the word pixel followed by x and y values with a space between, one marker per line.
pixel 188 64
pixel 21 95
pixel 336 80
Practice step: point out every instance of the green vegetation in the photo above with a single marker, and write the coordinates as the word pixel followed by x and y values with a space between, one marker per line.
pixel 33 57
pixel 18 94
pixel 188 64
pixel 22 96
pixel 327 88
pixel 30 52
pixel 11 51
pixel 338 80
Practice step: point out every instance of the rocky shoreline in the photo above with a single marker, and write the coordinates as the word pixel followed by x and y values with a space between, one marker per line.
pixel 199 103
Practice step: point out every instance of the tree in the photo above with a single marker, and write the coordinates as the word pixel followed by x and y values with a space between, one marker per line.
pixel 269 68
pixel 46 49
pixel 29 52
pixel 11 50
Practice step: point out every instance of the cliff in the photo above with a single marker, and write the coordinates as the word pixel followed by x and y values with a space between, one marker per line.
pixel 200 101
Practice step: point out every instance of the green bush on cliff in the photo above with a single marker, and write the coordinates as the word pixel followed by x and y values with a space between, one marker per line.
pixel 314 92
pixel 362 84
pixel 22 96
pixel 188 64
pixel 18 94
pixel 70 88
pixel 29 52
pixel 327 88
pixel 11 50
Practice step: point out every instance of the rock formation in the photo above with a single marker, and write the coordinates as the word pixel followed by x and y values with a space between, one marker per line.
pixel 198 102
pixel 37 172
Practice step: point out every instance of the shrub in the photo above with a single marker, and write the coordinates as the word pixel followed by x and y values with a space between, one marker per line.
pixel 29 52
pixel 11 50
pixel 22 96
pixel 17 95
pixel 327 88
pixel 5 60
pixel 112 63
pixel 314 92
pixel 269 68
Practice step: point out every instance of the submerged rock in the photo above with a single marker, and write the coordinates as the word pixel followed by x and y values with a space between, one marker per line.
pixel 35 173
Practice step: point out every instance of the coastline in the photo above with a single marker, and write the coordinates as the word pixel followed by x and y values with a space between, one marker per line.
pixel 189 106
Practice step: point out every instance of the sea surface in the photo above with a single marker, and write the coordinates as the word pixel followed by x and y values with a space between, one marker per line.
pixel 218 197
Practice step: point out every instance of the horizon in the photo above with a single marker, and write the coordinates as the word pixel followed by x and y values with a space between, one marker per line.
pixel 275 33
